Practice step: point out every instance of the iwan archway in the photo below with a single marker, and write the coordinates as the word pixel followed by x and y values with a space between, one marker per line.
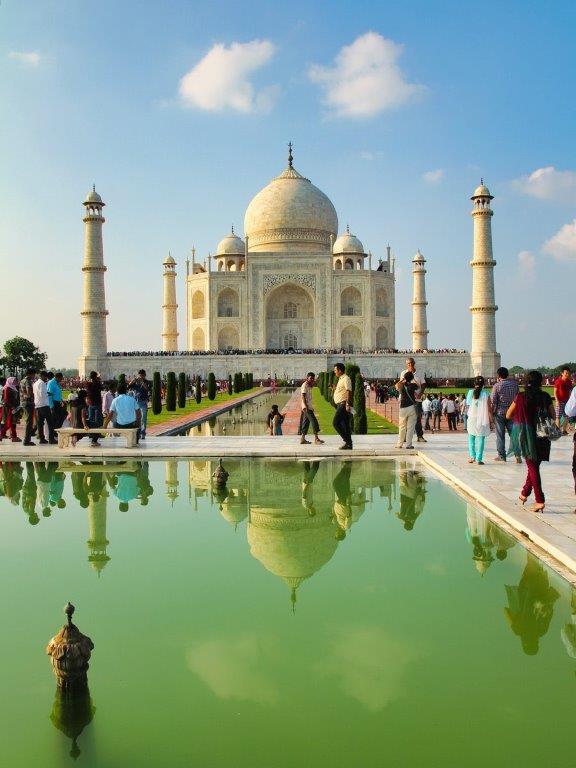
pixel 289 318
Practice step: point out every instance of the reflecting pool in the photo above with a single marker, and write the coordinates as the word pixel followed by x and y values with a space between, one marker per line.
pixel 316 613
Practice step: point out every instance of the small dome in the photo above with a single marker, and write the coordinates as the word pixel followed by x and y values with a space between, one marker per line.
pixel 169 260
pixel 231 245
pixel 482 191
pixel 418 257
pixel 93 197
pixel 347 243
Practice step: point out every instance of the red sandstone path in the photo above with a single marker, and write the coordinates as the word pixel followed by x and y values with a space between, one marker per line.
pixel 291 413
pixel 204 413
pixel 389 411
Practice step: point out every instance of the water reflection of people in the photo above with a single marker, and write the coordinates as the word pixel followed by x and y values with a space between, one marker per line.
pixel 343 501
pixel 13 481
pixel 478 534
pixel 310 468
pixel 29 493
pixel 531 605
pixel 412 495
pixel 568 631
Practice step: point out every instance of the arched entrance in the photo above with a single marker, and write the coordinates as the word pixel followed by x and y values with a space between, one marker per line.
pixel 198 342
pixel 351 339
pixel 228 338
pixel 382 337
pixel 289 318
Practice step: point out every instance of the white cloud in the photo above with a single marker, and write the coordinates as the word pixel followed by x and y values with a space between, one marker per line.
pixel 526 264
pixel 365 78
pixel 28 58
pixel 562 245
pixel 220 81
pixel 367 155
pixel 433 177
pixel 549 184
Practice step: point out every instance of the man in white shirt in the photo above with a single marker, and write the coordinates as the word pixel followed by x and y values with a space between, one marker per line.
pixel 43 411
pixel 411 366
pixel 343 401
pixel 308 417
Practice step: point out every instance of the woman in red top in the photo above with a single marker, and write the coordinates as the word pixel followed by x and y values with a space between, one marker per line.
pixel 562 390
pixel 524 410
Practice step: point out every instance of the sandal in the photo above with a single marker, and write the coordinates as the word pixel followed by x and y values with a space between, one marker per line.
pixel 471 461
pixel 538 508
pixel 522 499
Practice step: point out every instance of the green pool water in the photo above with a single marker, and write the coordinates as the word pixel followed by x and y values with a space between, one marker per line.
pixel 323 614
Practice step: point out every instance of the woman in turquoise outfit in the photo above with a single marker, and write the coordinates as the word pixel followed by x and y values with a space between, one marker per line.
pixel 479 422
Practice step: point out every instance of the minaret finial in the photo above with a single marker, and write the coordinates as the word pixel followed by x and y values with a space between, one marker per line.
pixel 232 228
pixel 347 229
pixel 481 180
pixel 93 187
pixel 290 158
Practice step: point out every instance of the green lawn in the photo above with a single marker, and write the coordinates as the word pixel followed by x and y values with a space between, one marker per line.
pixel 193 407
pixel 325 413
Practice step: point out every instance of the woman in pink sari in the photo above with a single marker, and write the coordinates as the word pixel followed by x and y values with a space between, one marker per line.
pixel 11 400
pixel 524 410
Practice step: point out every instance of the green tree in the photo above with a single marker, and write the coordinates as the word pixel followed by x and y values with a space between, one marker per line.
pixel 230 387
pixel 171 391
pixel 198 390
pixel 237 383
pixel 352 370
pixel 182 390
pixel 156 393
pixel 20 354
pixel 122 379
pixel 211 386
pixel 360 423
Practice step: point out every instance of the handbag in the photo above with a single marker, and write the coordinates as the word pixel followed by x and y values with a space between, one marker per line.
pixel 546 426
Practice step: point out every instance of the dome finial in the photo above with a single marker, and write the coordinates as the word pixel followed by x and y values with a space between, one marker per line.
pixel 93 187
pixel 290 158
pixel 347 229
pixel 481 180
pixel 232 230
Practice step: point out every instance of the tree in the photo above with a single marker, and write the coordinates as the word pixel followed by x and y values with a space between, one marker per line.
pixel 211 386
pixel 230 388
pixel 198 390
pixel 156 393
pixel 360 422
pixel 182 390
pixel 352 370
pixel 245 382
pixel 320 381
pixel 20 354
pixel 237 383
pixel 122 380
pixel 171 391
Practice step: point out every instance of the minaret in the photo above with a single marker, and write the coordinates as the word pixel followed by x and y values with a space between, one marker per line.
pixel 419 304
pixel 98 542
pixel 169 307
pixel 484 358
pixel 94 341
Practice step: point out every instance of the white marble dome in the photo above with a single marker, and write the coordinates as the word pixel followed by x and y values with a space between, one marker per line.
pixel 93 197
pixel 347 243
pixel 481 191
pixel 231 245
pixel 290 214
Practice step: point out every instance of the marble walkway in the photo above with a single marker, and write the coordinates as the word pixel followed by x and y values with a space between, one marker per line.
pixel 494 485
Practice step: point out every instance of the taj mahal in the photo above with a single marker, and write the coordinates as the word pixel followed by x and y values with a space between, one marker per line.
pixel 292 295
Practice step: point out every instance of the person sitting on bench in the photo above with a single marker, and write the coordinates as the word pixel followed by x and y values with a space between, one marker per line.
pixel 124 411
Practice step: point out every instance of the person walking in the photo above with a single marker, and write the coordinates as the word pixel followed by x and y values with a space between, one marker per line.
pixel 11 402
pixel 342 397
pixel 125 411
pixel 43 411
pixel 525 410
pixel 407 389
pixel 427 412
pixel 503 395
pixel 94 399
pixel 436 413
pixel 142 388
pixel 479 421
pixel 562 391
pixel 570 413
pixel 449 410
pixel 421 386
pixel 54 390
pixel 307 415
pixel 27 403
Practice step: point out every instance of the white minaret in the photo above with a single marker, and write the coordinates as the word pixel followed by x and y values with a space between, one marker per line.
pixel 484 358
pixel 419 304
pixel 169 307
pixel 94 341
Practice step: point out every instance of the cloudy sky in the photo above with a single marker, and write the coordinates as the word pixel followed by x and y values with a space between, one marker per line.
pixel 180 112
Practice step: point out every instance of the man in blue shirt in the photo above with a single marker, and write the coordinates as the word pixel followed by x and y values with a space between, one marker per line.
pixel 125 411
pixel 54 390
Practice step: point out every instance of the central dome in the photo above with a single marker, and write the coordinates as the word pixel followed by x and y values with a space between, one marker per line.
pixel 290 214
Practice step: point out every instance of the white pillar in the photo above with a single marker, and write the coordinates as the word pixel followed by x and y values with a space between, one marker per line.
pixel 94 312
pixel 419 304
pixel 484 357
pixel 169 307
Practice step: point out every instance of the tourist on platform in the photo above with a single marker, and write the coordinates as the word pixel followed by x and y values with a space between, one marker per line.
pixel 503 395
pixel 407 389
pixel 142 389
pixel 78 413
pixel 479 421
pixel 436 412
pixel 11 402
pixel 57 408
pixel 107 396
pixel 570 413
pixel 94 395
pixel 427 413
pixel 562 391
pixel 421 386
pixel 524 410
pixel 274 421
pixel 307 416
pixel 27 403
pixel 342 396
pixel 449 410
pixel 43 411
pixel 125 411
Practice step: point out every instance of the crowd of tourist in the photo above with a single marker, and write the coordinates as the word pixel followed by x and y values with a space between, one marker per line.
pixel 289 351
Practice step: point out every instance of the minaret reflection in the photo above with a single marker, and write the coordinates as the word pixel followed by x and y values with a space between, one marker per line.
pixel 71 712
pixel 171 480
pixel 412 484
pixel 531 605
pixel 97 512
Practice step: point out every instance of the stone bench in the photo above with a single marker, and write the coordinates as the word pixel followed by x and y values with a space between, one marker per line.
pixel 66 433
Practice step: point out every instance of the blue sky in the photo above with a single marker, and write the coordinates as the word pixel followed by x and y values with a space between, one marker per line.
pixel 92 93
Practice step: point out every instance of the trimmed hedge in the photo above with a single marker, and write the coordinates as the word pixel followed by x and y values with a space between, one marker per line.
pixel 211 390
pixel 198 390
pixel 156 393
pixel 360 423
pixel 181 390
pixel 171 391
